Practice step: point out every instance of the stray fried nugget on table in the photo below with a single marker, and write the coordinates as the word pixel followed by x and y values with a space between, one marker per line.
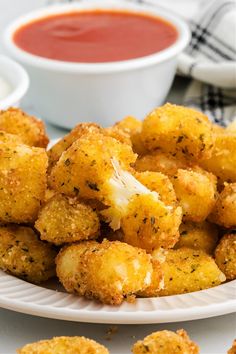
pixel 199 236
pixel 22 181
pixel 85 169
pixel 224 211
pixel 55 152
pixel 64 345
pixel 30 129
pixel 133 128
pixel 109 272
pixel 166 342
pixel 225 255
pixel 178 130
pixel 232 350
pixel 223 160
pixel 160 162
pixel 160 183
pixel 196 192
pixel 186 270
pixel 23 255
pixel 63 219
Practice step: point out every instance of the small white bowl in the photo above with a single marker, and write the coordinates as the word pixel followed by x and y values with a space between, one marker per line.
pixel 17 78
pixel 67 93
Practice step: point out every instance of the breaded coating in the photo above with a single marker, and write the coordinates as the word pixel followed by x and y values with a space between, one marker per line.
pixel 109 272
pixel 224 211
pixel 160 183
pixel 30 129
pixel 157 279
pixel 199 236
pixel 55 152
pixel 118 134
pixel 196 192
pixel 64 345
pixel 223 160
pixel 149 223
pixel 22 182
pixel 63 219
pixel 186 270
pixel 23 255
pixel 160 162
pixel 225 255
pixel 232 350
pixel 133 128
pixel 85 168
pixel 9 138
pixel 178 130
pixel 166 342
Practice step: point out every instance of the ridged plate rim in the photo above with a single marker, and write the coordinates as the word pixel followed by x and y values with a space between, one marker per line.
pixel 21 296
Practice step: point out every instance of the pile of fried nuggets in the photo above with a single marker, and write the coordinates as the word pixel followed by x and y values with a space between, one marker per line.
pixel 138 209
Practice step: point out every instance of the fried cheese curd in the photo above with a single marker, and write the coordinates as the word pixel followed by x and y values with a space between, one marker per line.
pixel 105 174
pixel 166 342
pixel 196 192
pixel 23 255
pixel 109 272
pixel 22 180
pixel 55 152
pixel 223 160
pixel 64 345
pixel 199 236
pixel 160 162
pixel 224 211
pixel 187 270
pixel 30 129
pixel 225 255
pixel 64 219
pixel 180 131
pixel 133 127
pixel 232 350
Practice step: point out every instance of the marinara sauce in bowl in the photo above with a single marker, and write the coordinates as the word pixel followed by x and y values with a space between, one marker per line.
pixel 97 61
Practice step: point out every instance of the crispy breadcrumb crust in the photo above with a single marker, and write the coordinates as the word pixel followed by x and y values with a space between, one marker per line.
pixel 166 342
pixel 63 220
pixel 30 129
pixel 225 255
pixel 23 255
pixel 64 345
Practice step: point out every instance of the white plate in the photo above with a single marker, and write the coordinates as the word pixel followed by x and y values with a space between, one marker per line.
pixel 20 296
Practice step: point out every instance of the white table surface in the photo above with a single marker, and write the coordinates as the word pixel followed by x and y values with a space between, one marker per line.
pixel 214 335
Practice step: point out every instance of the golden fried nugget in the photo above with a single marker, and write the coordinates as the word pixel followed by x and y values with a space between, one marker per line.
pixel 224 211
pixel 179 130
pixel 63 219
pixel 149 223
pixel 62 145
pixel 23 255
pixel 9 138
pixel 133 128
pixel 22 182
pixel 160 183
pixel 232 350
pixel 223 160
pixel 186 270
pixel 160 162
pixel 157 279
pixel 225 255
pixel 109 272
pixel 196 192
pixel 166 342
pixel 86 168
pixel 199 236
pixel 118 134
pixel 30 129
pixel 64 345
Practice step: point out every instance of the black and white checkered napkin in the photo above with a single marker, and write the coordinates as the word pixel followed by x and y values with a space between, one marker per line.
pixel 210 58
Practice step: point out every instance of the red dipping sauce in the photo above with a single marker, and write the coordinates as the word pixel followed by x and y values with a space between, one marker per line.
pixel 96 36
